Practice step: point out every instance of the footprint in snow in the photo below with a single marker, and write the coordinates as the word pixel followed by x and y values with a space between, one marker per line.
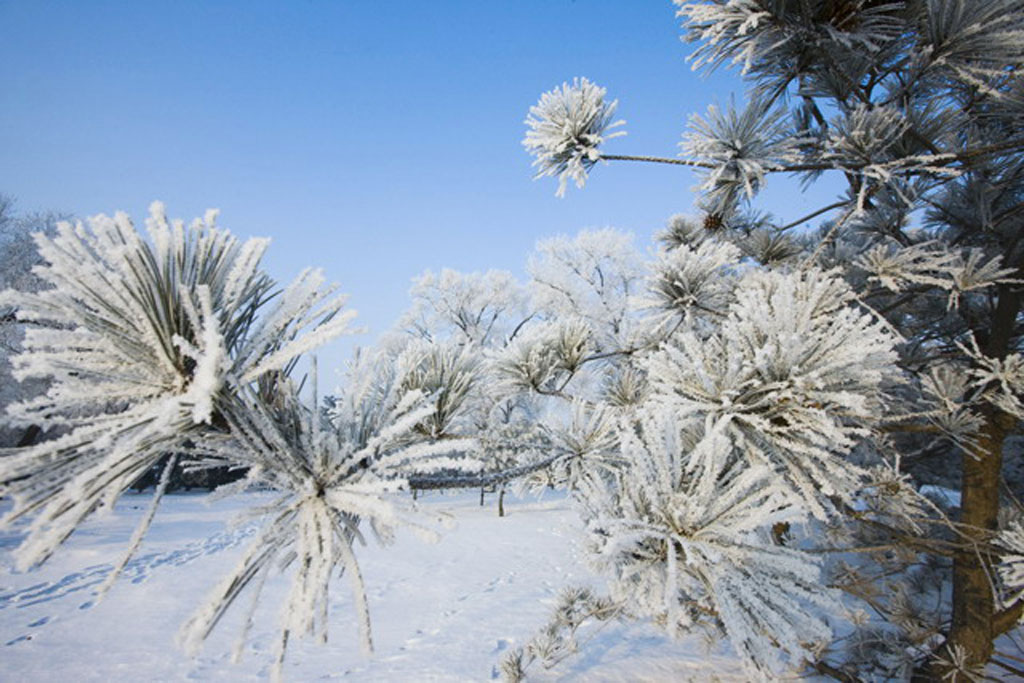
pixel 42 621
pixel 137 570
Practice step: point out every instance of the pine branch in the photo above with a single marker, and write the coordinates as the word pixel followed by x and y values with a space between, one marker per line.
pixel 914 428
pixel 833 231
pixel 814 214
pixel 1012 669
pixel 658 160
pixel 907 164
pixel 1007 619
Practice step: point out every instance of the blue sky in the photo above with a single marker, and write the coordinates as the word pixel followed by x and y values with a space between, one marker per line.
pixel 373 139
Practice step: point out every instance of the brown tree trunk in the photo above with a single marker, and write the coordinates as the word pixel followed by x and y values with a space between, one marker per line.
pixel 973 572
pixel 973 627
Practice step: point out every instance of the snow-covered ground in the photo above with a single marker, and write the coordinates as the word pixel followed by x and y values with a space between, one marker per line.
pixel 441 612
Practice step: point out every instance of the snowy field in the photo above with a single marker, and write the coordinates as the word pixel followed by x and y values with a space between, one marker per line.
pixel 441 612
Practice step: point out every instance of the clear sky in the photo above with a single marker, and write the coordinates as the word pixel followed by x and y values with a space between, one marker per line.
pixel 374 139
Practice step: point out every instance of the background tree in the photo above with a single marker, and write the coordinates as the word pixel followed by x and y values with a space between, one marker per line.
pixel 18 257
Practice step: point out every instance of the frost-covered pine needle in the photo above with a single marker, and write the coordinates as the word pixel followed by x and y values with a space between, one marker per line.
pixel 566 128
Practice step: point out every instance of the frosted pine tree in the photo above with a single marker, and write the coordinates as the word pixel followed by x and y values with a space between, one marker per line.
pixel 143 343
pixel 917 106
pixel 181 346
pixel 334 478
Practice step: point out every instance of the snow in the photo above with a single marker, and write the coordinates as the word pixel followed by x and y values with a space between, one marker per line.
pixel 440 612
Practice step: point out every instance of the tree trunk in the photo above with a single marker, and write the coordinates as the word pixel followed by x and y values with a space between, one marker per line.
pixel 973 572
pixel 972 627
